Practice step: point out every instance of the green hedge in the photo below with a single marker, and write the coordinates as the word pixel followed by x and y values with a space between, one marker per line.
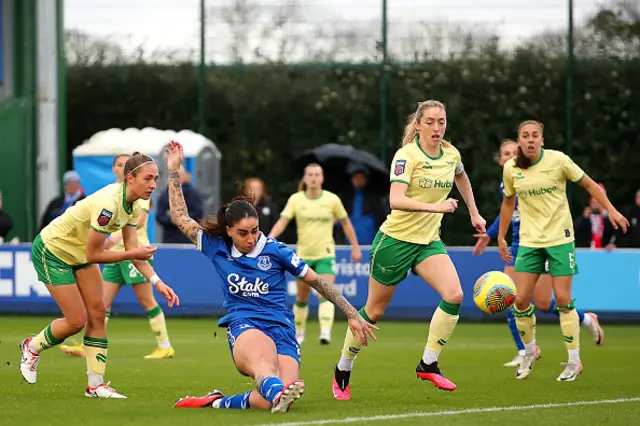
pixel 262 116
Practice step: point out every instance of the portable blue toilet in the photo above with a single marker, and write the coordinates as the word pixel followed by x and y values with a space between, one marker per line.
pixel 93 160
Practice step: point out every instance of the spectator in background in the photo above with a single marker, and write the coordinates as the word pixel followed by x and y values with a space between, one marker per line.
pixel 268 213
pixel 632 238
pixel 5 222
pixel 170 232
pixel 72 194
pixel 365 208
pixel 594 229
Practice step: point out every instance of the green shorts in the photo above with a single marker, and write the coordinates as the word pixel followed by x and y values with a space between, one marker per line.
pixel 326 265
pixel 49 268
pixel 123 273
pixel 561 260
pixel 391 259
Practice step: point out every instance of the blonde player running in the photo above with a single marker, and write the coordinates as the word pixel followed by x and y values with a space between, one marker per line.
pixel 116 275
pixel 539 178
pixel 316 211
pixel 424 171
pixel 65 256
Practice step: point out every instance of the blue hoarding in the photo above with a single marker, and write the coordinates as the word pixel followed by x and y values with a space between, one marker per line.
pixel 608 283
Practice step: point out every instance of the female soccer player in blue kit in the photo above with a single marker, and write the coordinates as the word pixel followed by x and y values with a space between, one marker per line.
pixel 260 326
pixel 542 297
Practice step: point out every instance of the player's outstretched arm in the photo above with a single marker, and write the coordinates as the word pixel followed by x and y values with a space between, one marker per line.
pixel 615 217
pixel 359 327
pixel 177 206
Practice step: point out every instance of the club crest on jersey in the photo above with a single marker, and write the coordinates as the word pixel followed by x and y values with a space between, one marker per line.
pixel 398 169
pixel 264 263
pixel 105 217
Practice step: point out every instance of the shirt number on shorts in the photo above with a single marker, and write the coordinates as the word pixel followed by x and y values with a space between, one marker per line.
pixel 133 271
pixel 572 260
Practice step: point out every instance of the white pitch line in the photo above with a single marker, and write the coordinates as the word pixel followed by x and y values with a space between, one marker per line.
pixel 455 412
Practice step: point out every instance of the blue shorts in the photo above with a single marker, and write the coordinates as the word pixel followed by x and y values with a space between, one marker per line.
pixel 284 337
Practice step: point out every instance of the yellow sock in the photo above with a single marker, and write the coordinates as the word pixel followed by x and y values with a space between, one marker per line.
pixel 570 324
pixel 526 324
pixel 44 340
pixel 159 326
pixel 351 347
pixel 443 322
pixel 300 314
pixel 96 354
pixel 326 314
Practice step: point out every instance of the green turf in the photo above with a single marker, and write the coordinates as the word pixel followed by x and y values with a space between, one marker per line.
pixel 383 382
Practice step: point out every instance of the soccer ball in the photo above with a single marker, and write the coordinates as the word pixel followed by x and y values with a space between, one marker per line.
pixel 494 292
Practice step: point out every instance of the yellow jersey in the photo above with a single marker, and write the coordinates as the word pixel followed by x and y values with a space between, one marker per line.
pixel 429 180
pixel 104 211
pixel 545 218
pixel 315 218
pixel 143 236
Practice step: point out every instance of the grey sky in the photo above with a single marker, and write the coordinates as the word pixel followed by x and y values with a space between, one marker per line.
pixel 174 23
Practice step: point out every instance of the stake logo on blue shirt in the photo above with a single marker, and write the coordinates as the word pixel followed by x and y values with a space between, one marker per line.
pixel 254 284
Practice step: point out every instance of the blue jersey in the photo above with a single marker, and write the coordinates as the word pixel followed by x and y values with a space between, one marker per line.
pixel 254 284
pixel 515 223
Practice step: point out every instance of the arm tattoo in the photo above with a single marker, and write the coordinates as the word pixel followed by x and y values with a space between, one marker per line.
pixel 330 293
pixel 179 213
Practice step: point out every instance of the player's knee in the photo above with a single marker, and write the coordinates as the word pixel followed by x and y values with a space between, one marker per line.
pixel 147 302
pixel 96 313
pixel 453 295
pixel 522 303
pixel 76 320
pixel 563 299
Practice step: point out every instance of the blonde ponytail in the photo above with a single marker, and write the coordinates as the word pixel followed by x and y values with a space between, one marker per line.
pixel 410 131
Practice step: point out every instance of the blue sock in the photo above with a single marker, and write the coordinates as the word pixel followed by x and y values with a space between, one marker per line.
pixel 580 315
pixel 511 320
pixel 240 401
pixel 270 387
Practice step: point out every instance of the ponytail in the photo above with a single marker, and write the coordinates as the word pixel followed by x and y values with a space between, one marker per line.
pixel 410 131
pixel 302 186
pixel 522 161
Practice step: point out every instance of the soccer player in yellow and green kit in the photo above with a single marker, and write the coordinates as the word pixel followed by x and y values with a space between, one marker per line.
pixel 316 211
pixel 116 275
pixel 539 179
pixel 423 173
pixel 66 255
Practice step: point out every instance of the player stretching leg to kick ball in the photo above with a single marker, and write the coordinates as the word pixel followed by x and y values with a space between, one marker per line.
pixel 65 256
pixel 539 178
pixel 252 272
pixel 424 171
pixel 542 294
